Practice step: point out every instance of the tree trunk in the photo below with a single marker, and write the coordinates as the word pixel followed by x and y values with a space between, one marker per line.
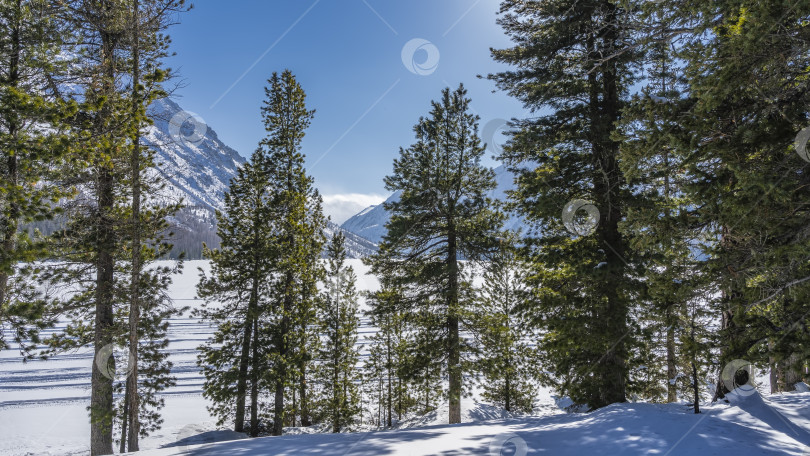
pixel 101 387
pixel 792 373
pixel 454 345
pixel 135 291
pixel 122 448
pixel 254 383
pixel 244 362
pixel 695 387
pixel 608 181
pixel 302 389
pixel 278 418
pixel 672 368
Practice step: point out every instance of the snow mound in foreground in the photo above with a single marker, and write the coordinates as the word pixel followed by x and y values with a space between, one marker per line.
pixel 758 408
pixel 749 425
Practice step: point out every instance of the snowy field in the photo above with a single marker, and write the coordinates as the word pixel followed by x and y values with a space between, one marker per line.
pixel 43 412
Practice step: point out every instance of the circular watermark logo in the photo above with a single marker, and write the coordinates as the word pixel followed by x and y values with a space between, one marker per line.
pixel 508 445
pixel 580 224
pixel 739 375
pixel 420 56
pixel 490 135
pixel 800 143
pixel 114 361
pixel 187 128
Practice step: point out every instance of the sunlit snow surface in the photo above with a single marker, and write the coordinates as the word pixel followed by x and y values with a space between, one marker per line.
pixel 43 411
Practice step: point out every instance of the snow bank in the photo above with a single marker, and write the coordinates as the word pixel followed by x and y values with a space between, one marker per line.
pixel 751 426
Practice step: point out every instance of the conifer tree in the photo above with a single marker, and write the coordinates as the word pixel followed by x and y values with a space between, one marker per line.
pixel 443 215
pixel 239 289
pixel 339 374
pixel 147 235
pixel 573 62
pixel 507 359
pixel 96 246
pixel 298 237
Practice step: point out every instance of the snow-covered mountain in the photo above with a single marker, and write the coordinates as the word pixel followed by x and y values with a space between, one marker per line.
pixel 370 222
pixel 199 167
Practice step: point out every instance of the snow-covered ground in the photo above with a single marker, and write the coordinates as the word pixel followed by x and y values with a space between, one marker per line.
pixel 43 412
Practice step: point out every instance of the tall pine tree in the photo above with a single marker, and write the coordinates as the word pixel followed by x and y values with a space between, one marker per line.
pixel 572 64
pixel 442 216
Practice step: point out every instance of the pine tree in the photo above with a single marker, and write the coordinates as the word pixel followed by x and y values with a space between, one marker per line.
pixel 504 334
pixel 339 374
pixel 443 215
pixel 298 235
pixel 574 64
pixel 238 292
pixel 147 234
pixel 95 246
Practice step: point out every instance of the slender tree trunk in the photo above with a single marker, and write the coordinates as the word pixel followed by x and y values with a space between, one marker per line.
pixel 135 281
pixel 278 418
pixel 122 447
pixel 254 383
pixel 454 345
pixel 244 360
pixel 672 368
pixel 695 387
pixel 302 389
pixel 773 368
pixel 101 388
pixel 508 395
pixel 335 380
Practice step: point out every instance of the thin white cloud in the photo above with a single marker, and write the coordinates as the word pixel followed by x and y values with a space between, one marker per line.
pixel 341 206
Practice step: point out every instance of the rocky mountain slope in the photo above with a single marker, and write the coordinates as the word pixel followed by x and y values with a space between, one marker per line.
pixel 199 167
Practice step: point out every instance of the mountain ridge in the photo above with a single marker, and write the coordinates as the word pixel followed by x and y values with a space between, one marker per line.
pixel 198 168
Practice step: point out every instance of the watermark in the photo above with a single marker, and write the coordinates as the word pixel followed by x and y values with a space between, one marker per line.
pixel 800 143
pixel 427 53
pixel 187 128
pixel 580 224
pixel 508 444
pixel 110 361
pixel 490 133
pixel 739 375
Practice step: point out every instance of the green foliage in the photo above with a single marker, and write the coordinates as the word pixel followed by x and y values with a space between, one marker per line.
pixel 338 373
pixel 443 214
pixel 572 63
pixel 264 276
pixel 36 141
pixel 507 358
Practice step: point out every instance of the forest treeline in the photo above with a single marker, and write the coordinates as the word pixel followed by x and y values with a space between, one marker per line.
pixel 662 176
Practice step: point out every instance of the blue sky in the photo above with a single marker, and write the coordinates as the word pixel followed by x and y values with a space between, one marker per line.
pixel 348 56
